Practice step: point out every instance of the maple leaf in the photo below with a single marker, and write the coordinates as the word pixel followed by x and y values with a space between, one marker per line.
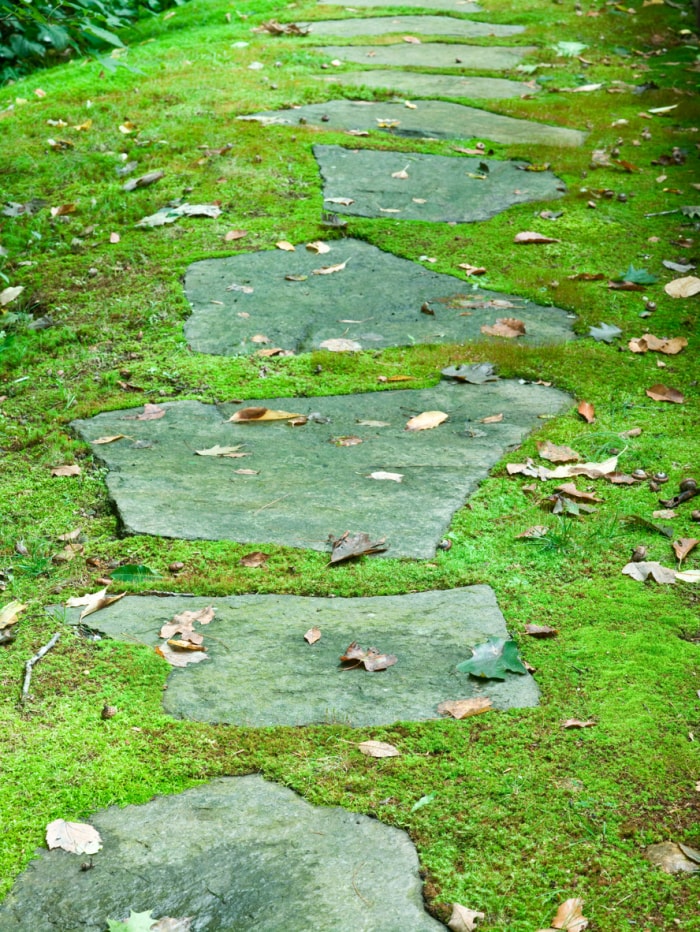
pixel 463 919
pixel 370 658
pixel 493 659
pixel 75 837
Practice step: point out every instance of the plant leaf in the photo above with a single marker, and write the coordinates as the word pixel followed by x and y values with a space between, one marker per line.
pixel 493 659
pixel 75 837
pixel 426 421
pixel 463 708
pixel 463 919
pixel 378 749
pixel 253 415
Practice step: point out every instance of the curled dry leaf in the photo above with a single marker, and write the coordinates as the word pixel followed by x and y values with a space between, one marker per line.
pixel 509 327
pixel 643 569
pixel 541 631
pixel 569 489
pixel 402 173
pixel 340 346
pixel 471 269
pixel 683 546
pixel 354 545
pixel 144 181
pixel 683 287
pixel 649 343
pixel 569 916
pixel 93 601
pixel 343 201
pixel 255 559
pixel 463 919
pixel 330 269
pixel 313 635
pixel 285 246
pixel 426 421
pixel 371 659
pixel 255 414
pixel 587 412
pixel 390 476
pixel 346 441
pixel 491 419
pixel 463 708
pixel 665 393
pixel 691 576
pixel 234 235
pixel 672 858
pixel 319 247
pixel 378 749
pixel 9 294
pixel 178 654
pixel 110 439
pixel 228 452
pixel 576 723
pixel 150 413
pixel 536 532
pixel 529 236
pixel 183 624
pixel 75 837
pixel 9 614
pixel 73 470
pixel 557 454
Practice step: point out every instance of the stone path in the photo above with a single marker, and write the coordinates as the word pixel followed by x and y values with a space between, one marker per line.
pixel 260 671
pixel 349 464
pixel 236 303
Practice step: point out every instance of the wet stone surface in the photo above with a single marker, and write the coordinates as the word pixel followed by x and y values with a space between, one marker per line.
pixel 260 671
pixel 417 84
pixel 238 854
pixel 437 119
pixel 420 25
pixel 437 187
pixel 431 55
pixel 309 482
pixel 449 6
pixel 375 301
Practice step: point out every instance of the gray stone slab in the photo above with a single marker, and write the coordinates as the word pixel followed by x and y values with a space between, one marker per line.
pixel 262 672
pixel 432 55
pixel 418 84
pixel 308 486
pixel 412 25
pixel 442 182
pixel 449 6
pixel 437 119
pixel 375 301
pixel 238 855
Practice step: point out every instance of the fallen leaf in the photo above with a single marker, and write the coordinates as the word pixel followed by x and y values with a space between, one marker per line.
pixel 426 421
pixel 649 343
pixel 411 39
pixel 536 532
pixel 183 624
pixel 671 858
pixel 463 919
pixel 330 269
pixel 114 238
pixel 254 559
pixel 75 837
pixel 285 246
pixel 472 269
pixel 298 421
pixel 247 472
pixel 691 576
pixel 180 656
pixel 639 521
pixel 150 413
pixel 340 346
pixel 354 545
pixel 234 234
pixel 392 476
pixel 313 635
pixel 378 749
pixel 228 452
pixel 492 659
pixel 69 552
pixel 9 294
pixel 343 201
pixel 569 916
pixel 666 513
pixel 347 440
pixel 529 236
pixel 642 570
pixel 683 287
pixel 144 181
pixel 368 423
pixel 172 214
pixel 587 411
pixel 474 374
pixel 575 723
pixel 463 708
pixel 605 333
pixel 168 924
pixel 395 378
pixel 402 174
pixel 253 415
pixel 569 489
pixel 74 470
pixel 508 327
pixel 557 454
pixel 63 210
pixel 665 393
pixel 93 601
pixel 541 631
pixel 9 614
pixel 681 548
pixel 318 247
pixel 371 659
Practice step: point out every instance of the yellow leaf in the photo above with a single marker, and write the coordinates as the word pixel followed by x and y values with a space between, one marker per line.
pixel 248 415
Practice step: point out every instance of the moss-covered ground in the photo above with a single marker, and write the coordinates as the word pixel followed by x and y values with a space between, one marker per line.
pixel 524 813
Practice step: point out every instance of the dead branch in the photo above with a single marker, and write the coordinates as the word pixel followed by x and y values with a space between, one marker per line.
pixel 29 665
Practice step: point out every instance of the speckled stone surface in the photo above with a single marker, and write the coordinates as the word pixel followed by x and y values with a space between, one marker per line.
pixel 419 84
pixel 414 25
pixel 431 55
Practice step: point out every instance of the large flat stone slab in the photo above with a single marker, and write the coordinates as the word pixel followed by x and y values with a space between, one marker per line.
pixel 375 301
pixel 237 855
pixel 262 672
pixel 438 119
pixel 419 84
pixel 449 6
pixel 432 55
pixel 438 187
pixel 413 25
pixel 309 484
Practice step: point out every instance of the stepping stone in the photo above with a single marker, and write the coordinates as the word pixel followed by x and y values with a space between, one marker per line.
pixel 375 301
pixel 417 84
pixel 438 187
pixel 309 483
pixel 432 55
pixel 260 671
pixel 450 6
pixel 433 118
pixel 238 853
pixel 421 25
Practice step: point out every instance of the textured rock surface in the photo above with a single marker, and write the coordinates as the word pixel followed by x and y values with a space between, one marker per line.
pixel 437 188
pixel 449 6
pixel 431 55
pixel 419 84
pixel 433 118
pixel 374 301
pixel 262 672
pixel 238 855
pixel 420 25
pixel 307 486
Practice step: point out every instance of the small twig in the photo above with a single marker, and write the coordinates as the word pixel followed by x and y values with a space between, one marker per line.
pixel 663 213
pixel 272 503
pixel 354 885
pixel 29 665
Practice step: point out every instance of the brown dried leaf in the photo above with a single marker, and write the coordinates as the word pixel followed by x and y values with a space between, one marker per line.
pixel 671 858
pixel 354 545
pixel 665 393
pixel 683 287
pixel 569 915
pixel 150 413
pixel 330 269
pixel 93 601
pixel 285 246
pixel 346 441
pixel 541 631
pixel 508 327
pixel 463 708
pixel 180 657
pixel 575 723
pixel 463 919
pixel 254 559
pixel 183 624
pixel 587 412
pixel 69 552
pixel 530 236
pixel 471 269
pixel 643 569
pixel 75 837
pixel 683 547
pixel 144 181
pixel 66 470
pixel 535 532
pixel 371 658
pixel 110 439
pixel 246 415
pixel 569 489
pixel 426 421
pixel 9 614
pixel 378 749
pixel 234 234
pixel 313 635
pixel 491 419
pixel 649 343
pixel 557 454
pixel 319 247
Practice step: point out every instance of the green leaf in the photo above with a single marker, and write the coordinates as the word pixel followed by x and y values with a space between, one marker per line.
pixel 569 49
pixel 492 659
pixel 109 37
pixel 133 571
pixel 423 801
pixel 637 276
